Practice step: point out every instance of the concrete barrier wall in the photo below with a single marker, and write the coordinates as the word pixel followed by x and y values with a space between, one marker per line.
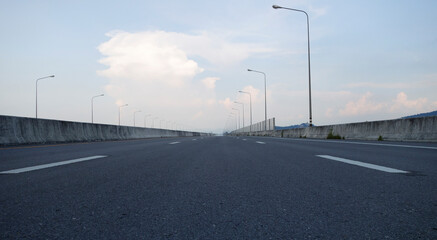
pixel 258 126
pixel 411 129
pixel 20 130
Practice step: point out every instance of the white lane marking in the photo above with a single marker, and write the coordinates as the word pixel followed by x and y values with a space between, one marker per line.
pixel 363 164
pixel 194 139
pixel 260 142
pixel 244 139
pixel 174 142
pixel 361 143
pixel 49 165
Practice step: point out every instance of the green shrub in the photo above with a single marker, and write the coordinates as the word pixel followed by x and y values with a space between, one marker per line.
pixel 332 136
pixel 380 138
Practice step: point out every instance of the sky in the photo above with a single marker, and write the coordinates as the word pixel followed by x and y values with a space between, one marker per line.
pixel 182 63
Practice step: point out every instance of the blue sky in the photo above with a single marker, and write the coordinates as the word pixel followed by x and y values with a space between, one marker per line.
pixel 183 62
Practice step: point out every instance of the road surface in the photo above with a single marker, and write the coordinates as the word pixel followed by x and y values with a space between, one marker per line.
pixel 219 188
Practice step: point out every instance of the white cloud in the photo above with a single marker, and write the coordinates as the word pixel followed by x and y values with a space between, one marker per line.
pixel 146 57
pixel 143 47
pixel 227 103
pixel 401 102
pixel 155 70
pixel 361 107
pixel 209 82
pixel 401 105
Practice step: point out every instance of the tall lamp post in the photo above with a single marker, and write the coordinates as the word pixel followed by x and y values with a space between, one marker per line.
pixel 265 97
pixel 153 121
pixel 145 117
pixel 92 106
pixel 238 110
pixel 134 115
pixel 36 95
pixel 309 58
pixel 250 101
pixel 119 112
pixel 233 116
pixel 243 110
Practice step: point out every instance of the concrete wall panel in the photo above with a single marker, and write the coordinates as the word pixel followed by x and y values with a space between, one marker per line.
pixel 411 129
pixel 20 130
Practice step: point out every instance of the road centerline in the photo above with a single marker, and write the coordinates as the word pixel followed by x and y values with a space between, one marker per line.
pixel 260 142
pixel 49 165
pixel 174 142
pixel 363 164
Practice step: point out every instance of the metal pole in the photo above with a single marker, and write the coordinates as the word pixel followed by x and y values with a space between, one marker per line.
pixel 92 106
pixel 238 116
pixel 242 104
pixel 134 116
pixel 119 113
pixel 250 101
pixel 145 117
pixel 36 94
pixel 309 57
pixel 265 97
pixel 153 122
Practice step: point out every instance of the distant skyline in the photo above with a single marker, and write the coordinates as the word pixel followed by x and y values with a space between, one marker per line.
pixel 184 62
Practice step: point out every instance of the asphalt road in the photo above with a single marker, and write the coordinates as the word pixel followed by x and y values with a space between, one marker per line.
pixel 219 188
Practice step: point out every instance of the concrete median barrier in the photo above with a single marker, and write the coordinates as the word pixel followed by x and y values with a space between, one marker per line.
pixel 21 130
pixel 411 129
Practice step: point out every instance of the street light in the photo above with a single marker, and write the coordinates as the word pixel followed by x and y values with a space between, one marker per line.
pixel 309 58
pixel 119 110
pixel 250 100
pixel 134 115
pixel 238 116
pixel 265 97
pixel 145 116
pixel 153 121
pixel 36 95
pixel 92 106
pixel 233 116
pixel 243 110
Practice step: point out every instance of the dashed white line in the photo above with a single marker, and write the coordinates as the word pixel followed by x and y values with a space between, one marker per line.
pixel 363 164
pixel 359 143
pixel 194 139
pixel 244 139
pixel 38 167
pixel 174 142
pixel 260 142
